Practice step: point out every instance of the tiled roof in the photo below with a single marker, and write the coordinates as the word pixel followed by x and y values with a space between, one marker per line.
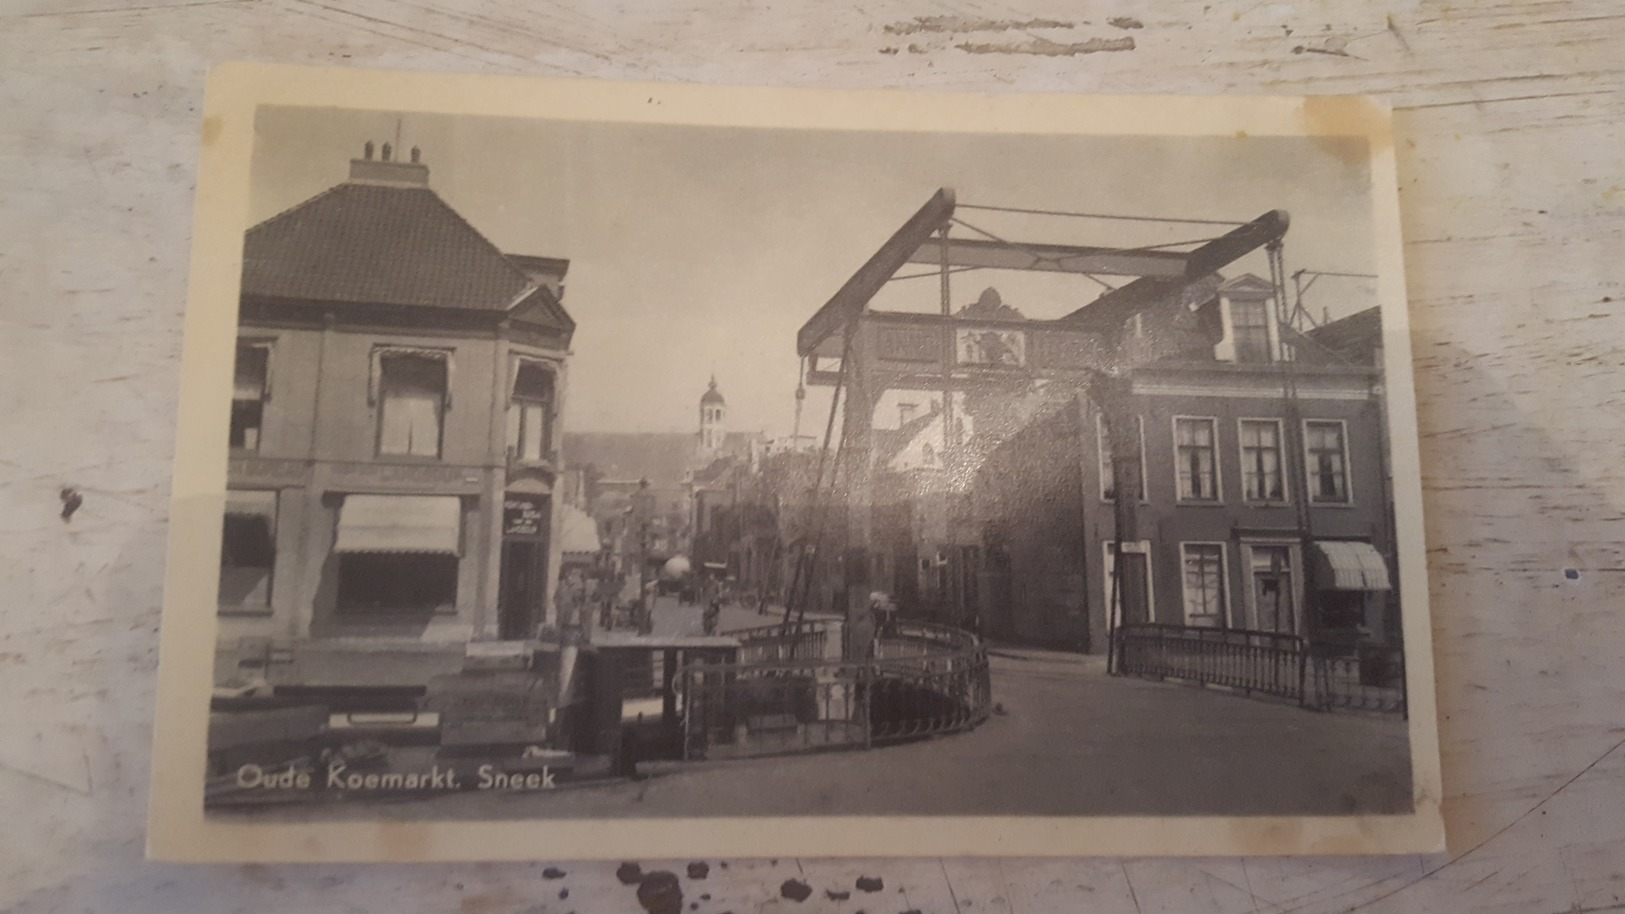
pixel 1354 338
pixel 379 244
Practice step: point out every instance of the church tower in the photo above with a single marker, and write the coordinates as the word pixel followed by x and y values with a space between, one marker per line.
pixel 713 417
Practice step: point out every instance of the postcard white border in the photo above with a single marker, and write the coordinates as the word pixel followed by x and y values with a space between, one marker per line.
pixel 178 830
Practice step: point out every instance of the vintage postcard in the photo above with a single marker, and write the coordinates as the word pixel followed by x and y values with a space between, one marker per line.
pixel 571 469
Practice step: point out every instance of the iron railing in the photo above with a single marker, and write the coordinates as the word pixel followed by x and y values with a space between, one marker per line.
pixel 777 643
pixel 1263 662
pixel 1369 677
pixel 924 680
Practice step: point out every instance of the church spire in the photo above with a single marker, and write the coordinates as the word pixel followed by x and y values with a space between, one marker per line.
pixel 713 417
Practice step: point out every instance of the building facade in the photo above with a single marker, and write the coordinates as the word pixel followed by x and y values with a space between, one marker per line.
pixel 1265 500
pixel 393 439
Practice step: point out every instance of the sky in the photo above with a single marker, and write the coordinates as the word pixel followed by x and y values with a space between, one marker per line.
pixel 696 250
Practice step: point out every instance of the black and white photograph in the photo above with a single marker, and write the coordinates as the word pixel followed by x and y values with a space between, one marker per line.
pixel 570 470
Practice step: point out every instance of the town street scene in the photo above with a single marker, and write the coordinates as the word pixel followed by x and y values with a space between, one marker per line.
pixel 596 470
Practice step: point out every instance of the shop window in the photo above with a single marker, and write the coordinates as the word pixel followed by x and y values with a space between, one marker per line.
pixel 248 395
pixel 374 582
pixel 411 403
pixel 248 553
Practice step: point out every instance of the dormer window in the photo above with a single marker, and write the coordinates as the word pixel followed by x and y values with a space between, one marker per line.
pixel 1250 329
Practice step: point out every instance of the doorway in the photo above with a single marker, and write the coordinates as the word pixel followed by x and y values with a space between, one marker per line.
pixel 524 575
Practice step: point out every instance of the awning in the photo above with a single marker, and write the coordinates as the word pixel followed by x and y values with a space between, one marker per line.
pixel 1349 566
pixel 578 534
pixel 400 523
pixel 250 502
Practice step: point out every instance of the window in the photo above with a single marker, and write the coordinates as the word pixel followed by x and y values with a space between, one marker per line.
pixel 1261 478
pixel 1250 327
pixel 248 394
pixel 530 413
pixel 396 582
pixel 411 403
pixel 1114 587
pixel 1326 453
pixel 1204 584
pixel 1108 469
pixel 1195 459
pixel 248 550
pixel 1273 596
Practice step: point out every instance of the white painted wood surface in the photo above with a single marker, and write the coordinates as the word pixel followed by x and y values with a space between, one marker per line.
pixel 1512 163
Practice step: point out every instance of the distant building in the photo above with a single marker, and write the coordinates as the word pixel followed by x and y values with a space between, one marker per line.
pixel 1232 466
pixel 393 447
pixel 684 472
pixel 920 538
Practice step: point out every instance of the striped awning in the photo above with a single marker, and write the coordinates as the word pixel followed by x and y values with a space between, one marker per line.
pixel 1349 566
pixel 400 523
pixel 251 502
pixel 578 533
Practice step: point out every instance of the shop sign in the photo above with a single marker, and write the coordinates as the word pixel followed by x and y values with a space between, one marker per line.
pixel 522 517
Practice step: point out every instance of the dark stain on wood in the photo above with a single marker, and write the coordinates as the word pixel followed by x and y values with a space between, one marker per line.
pixel 1041 47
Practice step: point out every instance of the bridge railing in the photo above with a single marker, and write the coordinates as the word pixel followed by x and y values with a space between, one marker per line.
pixel 923 680
pixel 1322 676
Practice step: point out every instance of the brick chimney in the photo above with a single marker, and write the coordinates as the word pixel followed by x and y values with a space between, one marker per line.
pixel 386 170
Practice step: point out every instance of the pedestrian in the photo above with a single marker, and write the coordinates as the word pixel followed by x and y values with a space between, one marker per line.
pixel 646 609
pixel 858 634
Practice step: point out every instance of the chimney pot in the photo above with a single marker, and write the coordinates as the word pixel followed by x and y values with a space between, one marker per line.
pixel 416 153
pixel 366 151
pixel 386 152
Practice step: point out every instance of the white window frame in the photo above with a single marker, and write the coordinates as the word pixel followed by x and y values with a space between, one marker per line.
pixel 1294 550
pixel 1102 452
pixel 1225 589
pixel 1218 468
pixel 375 394
pixel 1271 344
pixel 1348 466
pixel 550 367
pixel 1280 456
pixel 1114 609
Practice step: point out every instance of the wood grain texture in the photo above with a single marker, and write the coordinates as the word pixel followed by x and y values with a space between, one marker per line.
pixel 1512 164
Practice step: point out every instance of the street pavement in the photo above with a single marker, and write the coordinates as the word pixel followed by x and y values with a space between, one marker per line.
pixel 1066 739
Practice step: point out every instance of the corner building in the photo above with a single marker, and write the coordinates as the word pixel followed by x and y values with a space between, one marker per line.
pixel 393 439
